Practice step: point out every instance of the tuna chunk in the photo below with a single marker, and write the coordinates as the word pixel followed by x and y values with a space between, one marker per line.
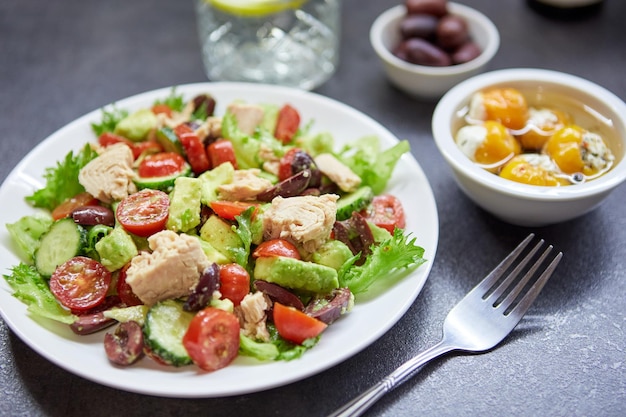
pixel 338 172
pixel 171 270
pixel 109 177
pixel 252 314
pixel 249 116
pixel 305 221
pixel 246 185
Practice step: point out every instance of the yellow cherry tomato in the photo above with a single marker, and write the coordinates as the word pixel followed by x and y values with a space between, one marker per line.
pixel 543 123
pixel 507 106
pixel 533 169
pixel 498 146
pixel 564 149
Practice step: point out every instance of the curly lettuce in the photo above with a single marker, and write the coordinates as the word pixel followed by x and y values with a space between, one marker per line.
pixel 62 180
pixel 372 164
pixel 32 289
pixel 389 260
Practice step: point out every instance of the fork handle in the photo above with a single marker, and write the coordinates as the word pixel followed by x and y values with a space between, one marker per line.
pixel 363 402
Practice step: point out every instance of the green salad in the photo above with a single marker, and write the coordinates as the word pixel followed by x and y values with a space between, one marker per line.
pixel 192 237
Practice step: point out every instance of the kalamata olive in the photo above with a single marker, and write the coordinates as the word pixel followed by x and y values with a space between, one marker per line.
pixel 279 294
pixel 356 234
pixel 419 26
pixel 433 7
pixel 422 52
pixel 93 215
pixel 125 346
pixel 204 102
pixel 452 32
pixel 330 307
pixel 91 323
pixel 289 187
pixel 465 53
pixel 302 161
pixel 207 284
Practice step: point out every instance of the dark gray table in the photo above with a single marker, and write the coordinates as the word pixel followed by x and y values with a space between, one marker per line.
pixel 59 60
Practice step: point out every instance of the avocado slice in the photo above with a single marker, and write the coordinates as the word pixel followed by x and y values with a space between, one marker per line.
pixel 296 274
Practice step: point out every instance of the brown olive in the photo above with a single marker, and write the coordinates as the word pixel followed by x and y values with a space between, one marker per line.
pixel 433 7
pixel 422 52
pixel 465 53
pixel 419 26
pixel 452 32
pixel 93 215
pixel 124 346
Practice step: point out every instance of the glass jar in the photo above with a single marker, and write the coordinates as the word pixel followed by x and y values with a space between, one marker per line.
pixel 285 42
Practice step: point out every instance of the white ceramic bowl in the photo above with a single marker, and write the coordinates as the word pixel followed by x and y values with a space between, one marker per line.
pixel 522 204
pixel 424 81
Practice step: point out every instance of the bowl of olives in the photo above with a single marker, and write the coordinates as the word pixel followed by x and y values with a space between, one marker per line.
pixel 532 146
pixel 428 46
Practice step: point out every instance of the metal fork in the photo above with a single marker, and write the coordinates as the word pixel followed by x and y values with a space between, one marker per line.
pixel 481 320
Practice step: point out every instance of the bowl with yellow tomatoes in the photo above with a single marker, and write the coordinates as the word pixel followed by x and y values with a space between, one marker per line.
pixel 533 147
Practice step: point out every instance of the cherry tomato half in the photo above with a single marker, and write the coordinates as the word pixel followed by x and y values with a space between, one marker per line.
pixel 194 149
pixel 66 208
pixel 161 165
pixel 287 123
pixel 221 151
pixel 109 138
pixel 125 291
pixel 294 325
pixel 386 211
pixel 80 283
pixel 212 339
pixel 144 213
pixel 145 147
pixel 230 209
pixel 276 247
pixel 234 282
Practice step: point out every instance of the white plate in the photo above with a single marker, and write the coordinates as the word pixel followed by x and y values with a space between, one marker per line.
pixel 370 319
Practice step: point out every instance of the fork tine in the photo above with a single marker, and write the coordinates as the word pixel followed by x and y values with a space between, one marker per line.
pixel 504 285
pixel 488 282
pixel 520 309
pixel 512 295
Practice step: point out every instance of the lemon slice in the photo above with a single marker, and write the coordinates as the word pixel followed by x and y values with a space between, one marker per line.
pixel 255 7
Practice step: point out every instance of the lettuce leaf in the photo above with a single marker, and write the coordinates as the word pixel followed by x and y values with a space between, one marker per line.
pixel 26 233
pixel 110 119
pixel 32 289
pixel 390 260
pixel 244 231
pixel 374 166
pixel 62 180
pixel 246 147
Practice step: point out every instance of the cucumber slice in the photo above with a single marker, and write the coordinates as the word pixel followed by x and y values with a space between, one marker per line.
pixel 168 139
pixel 166 324
pixel 63 241
pixel 164 183
pixel 355 201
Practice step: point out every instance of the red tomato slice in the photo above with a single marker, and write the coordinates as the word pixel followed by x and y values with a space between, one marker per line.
pixel 230 209
pixel 145 147
pixel 161 165
pixel 276 247
pixel 124 290
pixel 162 109
pixel 386 211
pixel 196 154
pixel 80 283
pixel 287 123
pixel 66 208
pixel 221 151
pixel 212 339
pixel 144 213
pixel 294 325
pixel 234 282
pixel 284 169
